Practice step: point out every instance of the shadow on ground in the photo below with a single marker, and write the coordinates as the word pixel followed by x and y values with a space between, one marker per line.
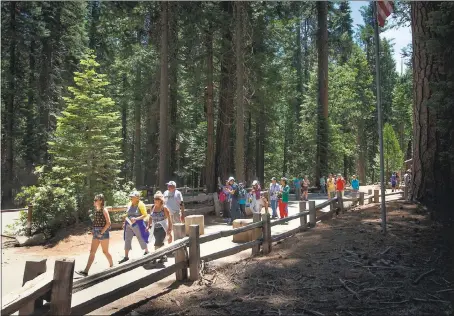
pixel 343 267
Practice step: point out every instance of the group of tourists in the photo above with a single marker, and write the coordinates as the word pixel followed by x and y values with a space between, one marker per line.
pixel 234 198
pixel 153 227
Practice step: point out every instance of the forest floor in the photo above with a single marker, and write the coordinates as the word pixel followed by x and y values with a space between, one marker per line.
pixel 345 266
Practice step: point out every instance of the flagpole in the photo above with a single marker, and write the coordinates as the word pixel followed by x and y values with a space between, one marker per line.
pixel 380 120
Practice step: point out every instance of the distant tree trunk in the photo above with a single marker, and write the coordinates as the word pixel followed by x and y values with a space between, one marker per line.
pixel 8 171
pixel 150 160
pixel 239 51
pixel 124 132
pixel 173 84
pixel 361 153
pixel 250 166
pixel 322 47
pixel 164 98
pixel 30 137
pixel 299 73
pixel 262 123
pixel 210 177
pixel 137 136
pixel 226 99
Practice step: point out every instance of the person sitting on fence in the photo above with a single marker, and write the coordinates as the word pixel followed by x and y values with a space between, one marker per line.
pixel 274 189
pixel 355 187
pixel 256 204
pixel 340 184
pixel 100 231
pixel 283 202
pixel 160 224
pixel 242 197
pixel 174 202
pixel 134 225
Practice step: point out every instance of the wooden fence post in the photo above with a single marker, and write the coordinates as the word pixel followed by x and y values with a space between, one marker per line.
pixel 303 219
pixel 256 217
pixel 312 214
pixel 376 196
pixel 340 201
pixel 29 220
pixel 266 233
pixel 361 198
pixel 406 192
pixel 194 253
pixel 369 192
pixel 62 287
pixel 31 271
pixel 180 254
pixel 217 204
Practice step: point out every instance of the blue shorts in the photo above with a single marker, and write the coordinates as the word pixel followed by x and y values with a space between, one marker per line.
pixel 97 231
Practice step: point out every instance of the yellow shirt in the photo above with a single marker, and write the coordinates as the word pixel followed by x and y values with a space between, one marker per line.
pixel 331 186
pixel 141 207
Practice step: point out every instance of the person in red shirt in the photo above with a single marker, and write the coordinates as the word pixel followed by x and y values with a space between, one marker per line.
pixel 340 184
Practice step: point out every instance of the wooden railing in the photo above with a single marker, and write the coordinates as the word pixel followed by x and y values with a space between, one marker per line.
pixel 58 289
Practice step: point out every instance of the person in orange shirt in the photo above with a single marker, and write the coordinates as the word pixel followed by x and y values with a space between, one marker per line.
pixel 340 184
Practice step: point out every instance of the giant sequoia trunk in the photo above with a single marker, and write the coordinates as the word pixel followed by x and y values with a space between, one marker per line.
pixel 173 85
pixel 433 75
pixel 226 98
pixel 137 136
pixel 210 178
pixel 239 102
pixel 164 98
pixel 322 126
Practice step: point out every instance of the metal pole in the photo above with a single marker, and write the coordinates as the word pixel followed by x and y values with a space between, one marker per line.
pixel 380 120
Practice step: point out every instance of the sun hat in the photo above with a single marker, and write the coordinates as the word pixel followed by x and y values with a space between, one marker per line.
pixel 231 179
pixel 254 182
pixel 273 178
pixel 172 183
pixel 135 194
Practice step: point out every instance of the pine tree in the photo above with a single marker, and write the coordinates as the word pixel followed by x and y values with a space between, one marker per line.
pixel 394 158
pixel 86 144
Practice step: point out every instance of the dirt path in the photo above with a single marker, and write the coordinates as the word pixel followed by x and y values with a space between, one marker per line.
pixel 343 267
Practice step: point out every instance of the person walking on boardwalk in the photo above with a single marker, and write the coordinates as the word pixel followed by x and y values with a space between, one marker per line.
pixel 174 202
pixel 305 188
pixel 234 206
pixel 100 231
pixel 134 225
pixel 256 204
pixel 160 223
pixel 340 184
pixel 274 189
pixel 330 186
pixel 242 197
pixel 283 203
pixel 355 187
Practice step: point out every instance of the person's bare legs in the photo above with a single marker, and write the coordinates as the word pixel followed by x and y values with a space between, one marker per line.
pixel 105 250
pixel 94 246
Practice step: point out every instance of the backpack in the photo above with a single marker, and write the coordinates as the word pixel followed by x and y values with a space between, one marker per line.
pixel 242 193
pixel 222 196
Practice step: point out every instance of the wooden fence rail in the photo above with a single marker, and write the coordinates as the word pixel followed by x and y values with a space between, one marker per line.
pixel 60 287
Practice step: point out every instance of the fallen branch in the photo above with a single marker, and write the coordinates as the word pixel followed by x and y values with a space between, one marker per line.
pixel 429 300
pixel 385 251
pixel 310 312
pixel 445 290
pixel 348 288
pixel 423 275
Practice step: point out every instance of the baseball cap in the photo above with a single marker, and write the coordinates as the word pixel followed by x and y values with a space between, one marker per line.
pixel 273 178
pixel 231 178
pixel 171 183
pixel 254 182
pixel 134 194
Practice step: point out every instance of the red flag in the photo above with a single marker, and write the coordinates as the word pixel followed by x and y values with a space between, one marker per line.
pixel 384 9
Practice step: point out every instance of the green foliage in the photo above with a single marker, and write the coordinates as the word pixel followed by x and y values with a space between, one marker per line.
pixel 54 207
pixel 392 154
pixel 86 144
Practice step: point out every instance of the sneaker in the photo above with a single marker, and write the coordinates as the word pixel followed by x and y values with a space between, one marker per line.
pixel 123 260
pixel 82 273
pixel 146 253
pixel 162 259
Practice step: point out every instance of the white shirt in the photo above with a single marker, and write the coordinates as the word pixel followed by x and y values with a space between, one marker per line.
pixel 173 200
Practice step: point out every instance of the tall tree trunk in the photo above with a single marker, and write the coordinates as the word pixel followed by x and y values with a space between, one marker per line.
pixel 239 51
pixel 30 138
pixel 261 153
pixel 173 84
pixel 250 166
pixel 8 171
pixel 226 98
pixel 164 98
pixel 425 72
pixel 137 136
pixel 360 139
pixel 299 73
pixel 152 135
pixel 124 133
pixel 210 177
pixel 322 47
